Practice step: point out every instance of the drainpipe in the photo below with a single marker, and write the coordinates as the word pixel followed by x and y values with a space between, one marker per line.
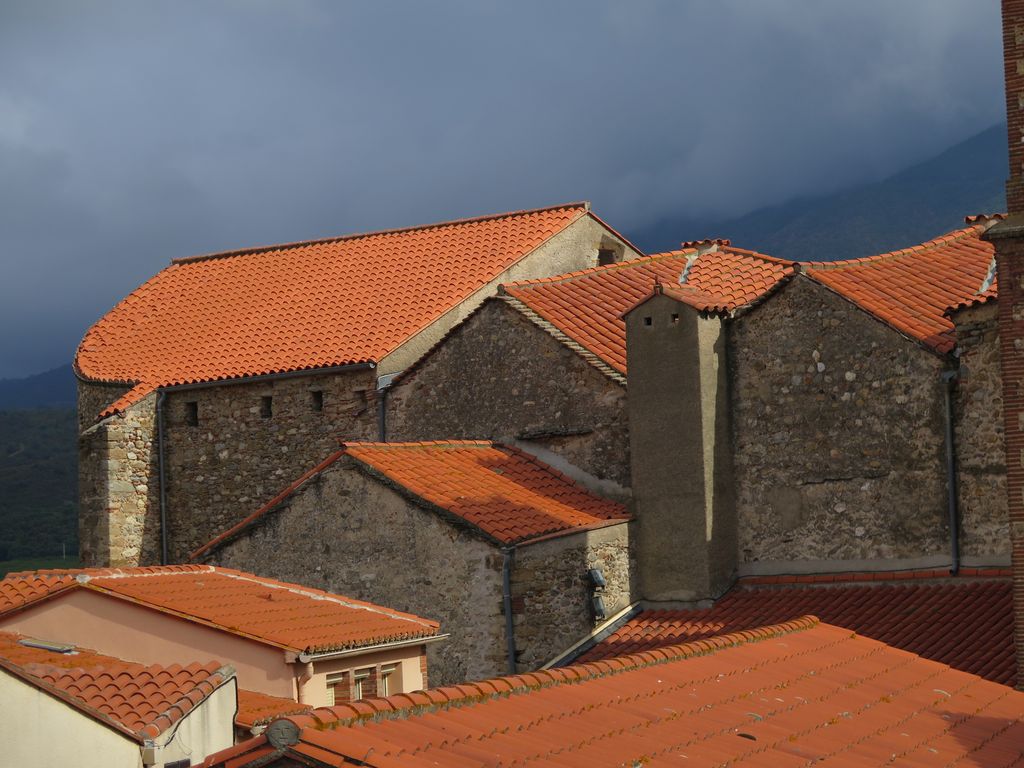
pixel 382 414
pixel 506 596
pixel 302 683
pixel 949 379
pixel 164 559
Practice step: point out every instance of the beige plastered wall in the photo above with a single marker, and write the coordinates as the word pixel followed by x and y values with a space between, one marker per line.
pixel 119 628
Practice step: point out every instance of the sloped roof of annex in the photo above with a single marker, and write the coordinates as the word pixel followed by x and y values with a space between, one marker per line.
pixel 303 619
pixel 503 494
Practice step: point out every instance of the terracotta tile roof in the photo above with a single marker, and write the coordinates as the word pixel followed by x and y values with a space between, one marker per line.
pixel 587 306
pixel 301 306
pixel 911 289
pixel 789 695
pixel 965 622
pixel 144 700
pixel 255 708
pixel 277 613
pixel 509 495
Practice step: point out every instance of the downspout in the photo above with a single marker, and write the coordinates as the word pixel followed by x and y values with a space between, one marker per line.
pixel 302 692
pixel 164 559
pixel 949 379
pixel 506 597
pixel 382 414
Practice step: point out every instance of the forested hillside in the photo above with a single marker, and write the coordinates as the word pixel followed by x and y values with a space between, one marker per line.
pixel 38 483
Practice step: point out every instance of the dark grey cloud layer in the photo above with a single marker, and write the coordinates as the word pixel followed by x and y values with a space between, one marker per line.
pixel 132 132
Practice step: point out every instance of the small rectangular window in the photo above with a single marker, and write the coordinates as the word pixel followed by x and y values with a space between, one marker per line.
pixel 316 400
pixel 605 256
pixel 675 318
pixel 387 675
pixel 648 320
pixel 192 413
pixel 335 688
pixel 266 406
pixel 360 681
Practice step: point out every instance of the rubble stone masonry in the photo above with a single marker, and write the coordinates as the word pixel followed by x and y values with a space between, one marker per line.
pixel 498 376
pixel 978 429
pixel 839 438
pixel 117 478
pixel 237 457
pixel 228 451
pixel 354 535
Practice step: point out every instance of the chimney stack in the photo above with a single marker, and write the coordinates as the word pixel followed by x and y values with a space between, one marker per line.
pixel 680 450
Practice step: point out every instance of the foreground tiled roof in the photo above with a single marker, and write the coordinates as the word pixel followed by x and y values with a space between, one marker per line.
pixel 255 708
pixel 306 305
pixel 790 695
pixel 506 493
pixel 911 289
pixel 587 306
pixel 143 700
pixel 965 622
pixel 285 615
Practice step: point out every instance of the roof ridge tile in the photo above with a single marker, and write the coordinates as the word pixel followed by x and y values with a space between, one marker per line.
pixel 510 685
pixel 584 205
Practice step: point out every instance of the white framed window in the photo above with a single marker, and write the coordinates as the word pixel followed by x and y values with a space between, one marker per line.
pixel 360 680
pixel 335 683
pixel 388 679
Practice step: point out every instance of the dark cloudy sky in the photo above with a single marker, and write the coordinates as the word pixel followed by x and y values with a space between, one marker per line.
pixel 133 132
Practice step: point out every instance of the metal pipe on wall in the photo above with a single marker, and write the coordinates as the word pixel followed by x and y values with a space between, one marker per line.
pixel 161 476
pixel 506 598
pixel 949 379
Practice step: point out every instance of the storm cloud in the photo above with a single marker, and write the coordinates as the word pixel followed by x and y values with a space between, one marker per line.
pixel 134 132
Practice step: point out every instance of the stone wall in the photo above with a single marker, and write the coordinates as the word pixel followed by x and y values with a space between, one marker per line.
pixel 574 248
pixel 499 376
pixel 981 457
pixel 552 591
pixel 346 533
pixel 838 432
pixel 118 525
pixel 236 458
pixel 354 535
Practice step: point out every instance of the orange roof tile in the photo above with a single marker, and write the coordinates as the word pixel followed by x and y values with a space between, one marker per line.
pixel 911 289
pixel 277 613
pixel 302 306
pixel 509 495
pixel 965 622
pixel 587 306
pixel 144 700
pixel 255 708
pixel 794 694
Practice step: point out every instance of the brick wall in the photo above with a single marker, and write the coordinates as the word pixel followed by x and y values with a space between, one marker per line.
pixel 1013 63
pixel 501 377
pixel 1009 241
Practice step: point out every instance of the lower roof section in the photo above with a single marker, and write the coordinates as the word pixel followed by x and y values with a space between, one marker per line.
pixel 787 695
pixel 964 621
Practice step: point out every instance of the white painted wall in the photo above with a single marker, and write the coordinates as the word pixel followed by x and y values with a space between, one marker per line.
pixel 40 731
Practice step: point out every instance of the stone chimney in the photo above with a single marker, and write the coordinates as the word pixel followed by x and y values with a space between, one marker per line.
pixel 681 455
pixel 1008 238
